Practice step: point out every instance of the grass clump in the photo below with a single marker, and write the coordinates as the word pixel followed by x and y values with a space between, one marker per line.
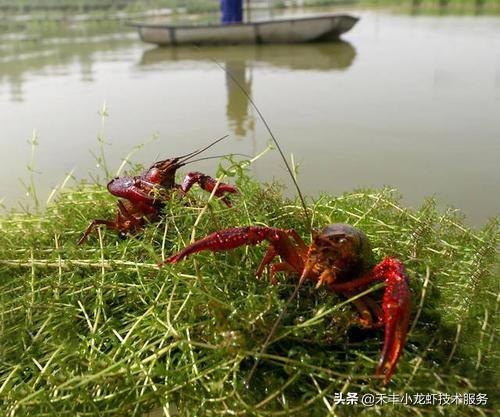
pixel 99 330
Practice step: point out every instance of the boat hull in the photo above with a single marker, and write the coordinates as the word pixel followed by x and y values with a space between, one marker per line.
pixel 295 30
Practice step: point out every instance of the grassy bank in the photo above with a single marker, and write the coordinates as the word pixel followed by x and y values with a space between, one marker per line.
pixel 201 6
pixel 100 330
pixel 85 6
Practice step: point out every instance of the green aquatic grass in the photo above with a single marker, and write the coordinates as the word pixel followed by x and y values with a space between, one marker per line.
pixel 99 330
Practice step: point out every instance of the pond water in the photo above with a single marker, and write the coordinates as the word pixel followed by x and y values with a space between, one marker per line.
pixel 411 101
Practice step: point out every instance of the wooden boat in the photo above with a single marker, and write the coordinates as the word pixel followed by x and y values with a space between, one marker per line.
pixel 285 30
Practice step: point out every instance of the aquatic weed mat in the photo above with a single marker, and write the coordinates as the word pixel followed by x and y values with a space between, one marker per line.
pixel 100 330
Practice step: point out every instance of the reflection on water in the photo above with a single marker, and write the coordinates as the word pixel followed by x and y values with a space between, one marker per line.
pixel 316 56
pixel 21 60
pixel 240 61
pixel 237 103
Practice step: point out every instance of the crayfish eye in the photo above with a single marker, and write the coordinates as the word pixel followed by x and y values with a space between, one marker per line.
pixel 154 175
pixel 338 240
pixel 122 235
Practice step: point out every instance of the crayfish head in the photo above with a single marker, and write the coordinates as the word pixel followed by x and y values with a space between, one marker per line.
pixel 342 248
pixel 120 186
pixel 163 172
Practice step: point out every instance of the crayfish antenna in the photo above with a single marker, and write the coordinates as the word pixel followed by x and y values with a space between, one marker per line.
pixel 268 128
pixel 301 197
pixel 396 307
pixel 184 158
pixel 307 269
pixel 244 155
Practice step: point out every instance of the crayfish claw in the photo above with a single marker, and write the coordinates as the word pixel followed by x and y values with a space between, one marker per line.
pixel 396 309
pixel 224 240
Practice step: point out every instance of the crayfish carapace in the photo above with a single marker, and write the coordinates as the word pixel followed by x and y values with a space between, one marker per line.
pixel 339 257
pixel 144 196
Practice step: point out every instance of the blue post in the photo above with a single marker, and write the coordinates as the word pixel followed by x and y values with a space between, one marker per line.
pixel 232 11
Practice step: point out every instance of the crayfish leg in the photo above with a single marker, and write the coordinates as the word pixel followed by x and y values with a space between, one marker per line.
pixel 93 224
pixel 269 256
pixel 280 267
pixel 364 312
pixel 396 307
pixel 300 242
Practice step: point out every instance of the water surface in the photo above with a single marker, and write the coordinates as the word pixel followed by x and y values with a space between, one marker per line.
pixel 407 101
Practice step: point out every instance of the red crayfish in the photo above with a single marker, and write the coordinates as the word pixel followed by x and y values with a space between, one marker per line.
pixel 339 256
pixel 144 196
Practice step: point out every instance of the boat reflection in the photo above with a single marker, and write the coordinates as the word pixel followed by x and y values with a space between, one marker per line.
pixel 240 61
pixel 326 56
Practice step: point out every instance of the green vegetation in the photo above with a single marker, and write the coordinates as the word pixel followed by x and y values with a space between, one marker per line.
pixel 201 6
pixel 100 330
pixel 315 3
pixel 31 15
pixel 27 6
pixel 406 6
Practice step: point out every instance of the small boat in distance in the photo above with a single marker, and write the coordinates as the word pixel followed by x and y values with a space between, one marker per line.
pixel 285 30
